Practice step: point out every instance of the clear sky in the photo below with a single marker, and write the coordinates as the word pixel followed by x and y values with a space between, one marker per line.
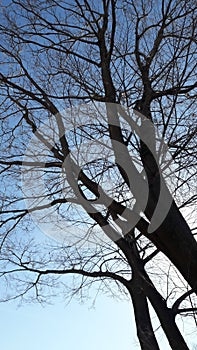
pixel 107 326
pixel 75 326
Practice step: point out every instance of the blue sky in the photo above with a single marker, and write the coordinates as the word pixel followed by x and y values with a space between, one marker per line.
pixel 107 326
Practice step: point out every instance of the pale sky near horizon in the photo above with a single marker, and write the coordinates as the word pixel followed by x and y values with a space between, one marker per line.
pixel 75 326
pixel 108 326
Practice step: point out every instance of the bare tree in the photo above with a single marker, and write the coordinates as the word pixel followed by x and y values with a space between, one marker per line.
pixel 89 84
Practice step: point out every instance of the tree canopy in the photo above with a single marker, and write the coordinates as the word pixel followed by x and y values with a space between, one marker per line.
pixel 98 140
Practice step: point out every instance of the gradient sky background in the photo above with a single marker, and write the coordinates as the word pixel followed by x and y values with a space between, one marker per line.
pixel 108 326
pixel 61 327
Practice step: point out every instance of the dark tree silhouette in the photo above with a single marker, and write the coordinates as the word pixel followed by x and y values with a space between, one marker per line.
pixel 90 84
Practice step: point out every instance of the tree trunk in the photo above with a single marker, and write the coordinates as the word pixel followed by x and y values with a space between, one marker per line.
pixel 140 288
pixel 165 315
pixel 173 237
pixel 145 330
